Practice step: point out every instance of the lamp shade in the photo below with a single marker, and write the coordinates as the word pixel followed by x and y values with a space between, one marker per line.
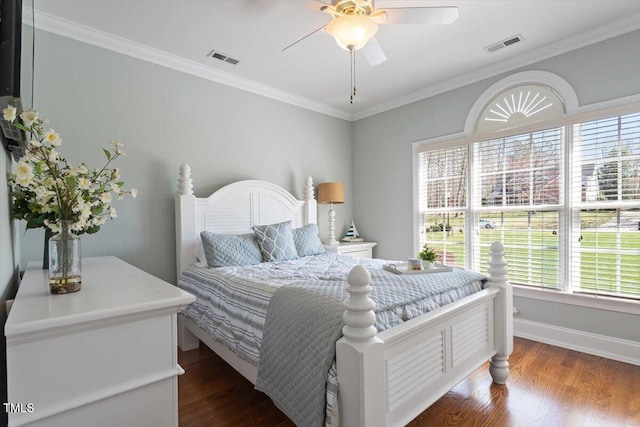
pixel 330 192
pixel 352 31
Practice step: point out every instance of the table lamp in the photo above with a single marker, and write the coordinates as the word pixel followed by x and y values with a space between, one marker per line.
pixel 331 192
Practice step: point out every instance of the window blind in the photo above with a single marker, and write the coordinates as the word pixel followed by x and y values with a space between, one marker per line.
pixel 442 201
pixel 564 201
pixel 606 206
pixel 519 187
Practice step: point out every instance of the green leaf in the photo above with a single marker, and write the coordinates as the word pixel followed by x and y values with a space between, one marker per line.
pixel 93 229
pixel 70 181
pixel 107 153
pixel 97 210
pixel 22 127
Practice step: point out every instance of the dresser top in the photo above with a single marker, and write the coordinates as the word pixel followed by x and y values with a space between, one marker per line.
pixel 112 290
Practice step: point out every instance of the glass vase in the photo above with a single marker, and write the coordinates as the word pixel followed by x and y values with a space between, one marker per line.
pixel 65 274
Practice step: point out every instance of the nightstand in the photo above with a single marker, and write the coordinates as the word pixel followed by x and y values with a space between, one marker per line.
pixel 357 249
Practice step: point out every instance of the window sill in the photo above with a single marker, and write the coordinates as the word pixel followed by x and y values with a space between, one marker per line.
pixel 592 301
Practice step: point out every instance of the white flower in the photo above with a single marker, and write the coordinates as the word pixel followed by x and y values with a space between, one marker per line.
pixel 82 169
pixel 117 146
pixel 53 138
pixel 79 225
pixel 35 143
pixel 113 213
pixel 53 156
pixel 28 117
pixel 85 212
pixel 24 173
pixel 105 197
pixel 55 227
pixel 134 193
pixel 84 183
pixel 49 182
pixel 9 113
pixel 115 188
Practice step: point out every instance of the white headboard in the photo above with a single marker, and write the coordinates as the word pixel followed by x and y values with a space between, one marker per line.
pixel 235 208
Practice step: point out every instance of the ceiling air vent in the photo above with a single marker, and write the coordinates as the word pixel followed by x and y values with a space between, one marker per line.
pixel 223 57
pixel 504 43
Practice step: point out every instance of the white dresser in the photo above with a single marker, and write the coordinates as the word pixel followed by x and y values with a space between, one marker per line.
pixel 357 249
pixel 103 356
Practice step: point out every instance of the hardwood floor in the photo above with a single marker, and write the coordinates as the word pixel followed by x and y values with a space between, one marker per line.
pixel 548 386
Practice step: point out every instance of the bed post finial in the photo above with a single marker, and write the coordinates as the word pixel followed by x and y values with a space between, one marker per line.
pixel 499 368
pixel 185 183
pixel 310 204
pixel 359 316
pixel 360 357
pixel 308 189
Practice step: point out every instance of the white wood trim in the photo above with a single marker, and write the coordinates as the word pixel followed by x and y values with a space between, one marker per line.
pixel 542 78
pixel 598 345
pixel 599 302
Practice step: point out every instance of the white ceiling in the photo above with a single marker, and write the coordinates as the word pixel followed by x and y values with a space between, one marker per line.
pixel 422 60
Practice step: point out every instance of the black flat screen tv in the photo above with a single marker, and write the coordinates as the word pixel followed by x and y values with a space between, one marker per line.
pixel 10 51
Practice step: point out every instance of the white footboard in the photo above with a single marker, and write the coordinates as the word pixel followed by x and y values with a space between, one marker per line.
pixel 390 378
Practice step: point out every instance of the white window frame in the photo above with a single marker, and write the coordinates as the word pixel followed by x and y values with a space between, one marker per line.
pixel 574 114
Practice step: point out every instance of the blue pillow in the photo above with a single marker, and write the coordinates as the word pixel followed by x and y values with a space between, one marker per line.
pixel 307 241
pixel 225 250
pixel 276 241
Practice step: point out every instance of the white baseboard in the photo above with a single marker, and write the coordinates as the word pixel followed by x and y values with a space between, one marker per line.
pixel 585 342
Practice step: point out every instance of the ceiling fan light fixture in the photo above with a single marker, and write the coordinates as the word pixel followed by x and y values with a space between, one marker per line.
pixel 352 31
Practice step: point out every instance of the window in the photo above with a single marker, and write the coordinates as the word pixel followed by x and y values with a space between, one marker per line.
pixel 606 206
pixel 565 202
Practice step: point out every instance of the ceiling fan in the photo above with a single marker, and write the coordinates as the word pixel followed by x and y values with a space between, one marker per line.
pixel 354 23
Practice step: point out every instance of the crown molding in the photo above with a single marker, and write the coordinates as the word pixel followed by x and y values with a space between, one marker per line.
pixel 567 45
pixel 62 27
pixel 56 25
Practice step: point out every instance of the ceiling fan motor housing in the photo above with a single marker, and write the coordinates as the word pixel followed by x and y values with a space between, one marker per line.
pixel 354 7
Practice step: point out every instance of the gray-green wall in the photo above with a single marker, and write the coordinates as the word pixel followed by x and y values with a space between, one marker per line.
pixel 383 143
pixel 165 118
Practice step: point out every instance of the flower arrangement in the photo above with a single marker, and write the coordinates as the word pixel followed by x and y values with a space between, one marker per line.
pixel 47 190
pixel 427 254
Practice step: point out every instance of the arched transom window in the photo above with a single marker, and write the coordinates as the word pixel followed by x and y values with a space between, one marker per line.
pixel 519 106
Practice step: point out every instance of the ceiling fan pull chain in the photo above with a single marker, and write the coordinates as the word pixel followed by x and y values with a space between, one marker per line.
pixel 353 54
pixel 353 90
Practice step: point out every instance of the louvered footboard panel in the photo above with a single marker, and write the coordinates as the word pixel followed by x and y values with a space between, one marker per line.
pixel 424 362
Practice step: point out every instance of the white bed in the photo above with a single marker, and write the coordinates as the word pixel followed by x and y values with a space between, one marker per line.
pixel 434 347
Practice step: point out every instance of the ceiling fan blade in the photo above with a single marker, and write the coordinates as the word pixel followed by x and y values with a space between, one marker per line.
pixel 331 10
pixel 422 15
pixel 379 16
pixel 299 40
pixel 373 52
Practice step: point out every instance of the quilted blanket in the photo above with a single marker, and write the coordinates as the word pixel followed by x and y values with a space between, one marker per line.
pixel 292 343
